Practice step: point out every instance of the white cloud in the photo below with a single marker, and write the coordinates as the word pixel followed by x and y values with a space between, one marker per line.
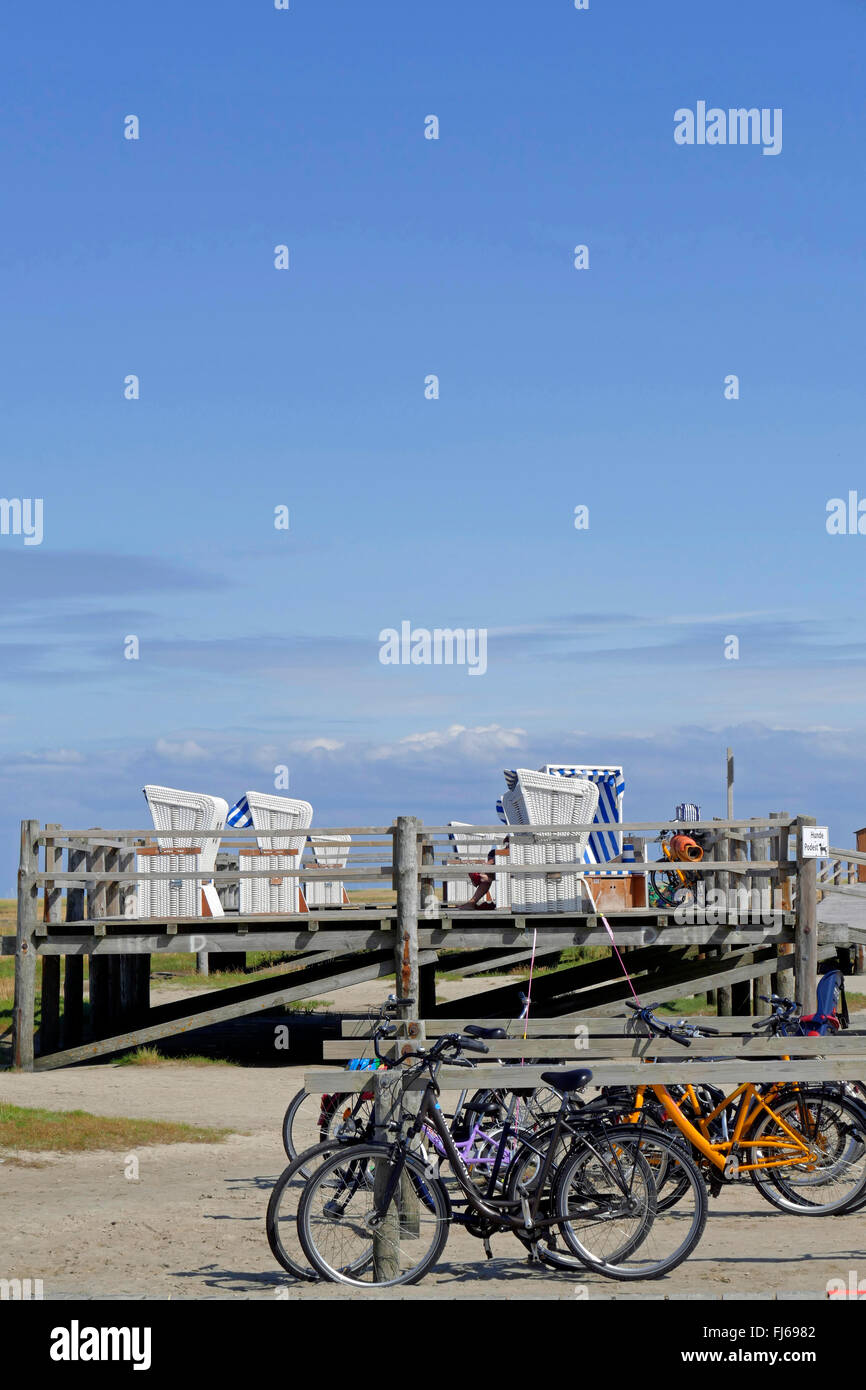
pixel 481 741
pixel 186 751
pixel 315 745
pixel 53 758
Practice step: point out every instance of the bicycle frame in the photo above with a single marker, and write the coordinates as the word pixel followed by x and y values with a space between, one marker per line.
pixel 722 1153
pixel 491 1208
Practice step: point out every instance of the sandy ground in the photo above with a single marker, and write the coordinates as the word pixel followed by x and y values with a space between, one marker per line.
pixel 192 1225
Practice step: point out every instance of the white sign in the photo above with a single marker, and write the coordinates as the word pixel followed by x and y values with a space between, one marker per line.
pixel 816 842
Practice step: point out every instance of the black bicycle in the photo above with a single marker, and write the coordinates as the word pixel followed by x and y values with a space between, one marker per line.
pixel 379 1214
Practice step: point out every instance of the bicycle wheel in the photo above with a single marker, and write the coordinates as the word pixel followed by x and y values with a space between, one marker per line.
pixel 607 1201
pixel 835 1179
pixel 663 889
pixel 348 1239
pixel 282 1215
pixel 313 1119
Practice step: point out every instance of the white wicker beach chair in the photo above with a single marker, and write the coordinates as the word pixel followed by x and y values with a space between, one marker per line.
pixel 538 798
pixel 278 855
pixel 326 852
pixel 179 811
pixel 474 849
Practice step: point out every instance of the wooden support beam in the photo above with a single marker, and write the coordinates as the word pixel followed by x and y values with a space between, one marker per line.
pixel 783 979
pixel 49 1013
pixel 24 1007
pixel 806 932
pixel 741 992
pixel 727 972
pixel 193 1019
pixel 73 965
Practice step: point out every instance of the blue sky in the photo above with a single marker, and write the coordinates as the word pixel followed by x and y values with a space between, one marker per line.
pixel 305 387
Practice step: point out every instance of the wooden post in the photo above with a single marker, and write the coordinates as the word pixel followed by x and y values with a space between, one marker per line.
pixel 761 884
pixel 24 1007
pixel 405 871
pixel 386 1238
pixel 73 972
pixel 428 905
pixel 49 1026
pixel 99 966
pixel 806 929
pixel 741 990
pixel 720 882
pixel 730 781
pixel 783 979
pixel 134 982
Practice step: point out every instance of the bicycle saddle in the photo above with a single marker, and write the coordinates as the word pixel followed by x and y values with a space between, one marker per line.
pixel 565 1081
pixel 476 1031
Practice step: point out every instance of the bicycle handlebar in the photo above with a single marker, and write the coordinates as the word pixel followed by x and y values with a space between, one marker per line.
pixel 664 1030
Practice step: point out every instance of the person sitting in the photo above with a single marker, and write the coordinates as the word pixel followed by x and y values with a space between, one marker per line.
pixel 482 883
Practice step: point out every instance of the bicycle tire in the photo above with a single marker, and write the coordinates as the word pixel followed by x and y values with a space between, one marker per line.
pixel 642 1255
pixel 317 1217
pixel 797 1188
pixel 282 1213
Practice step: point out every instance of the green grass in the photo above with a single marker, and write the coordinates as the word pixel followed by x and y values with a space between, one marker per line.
pixel 75 1131
pixel 152 1057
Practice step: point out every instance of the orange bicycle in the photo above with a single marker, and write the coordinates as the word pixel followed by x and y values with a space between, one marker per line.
pixel 804 1147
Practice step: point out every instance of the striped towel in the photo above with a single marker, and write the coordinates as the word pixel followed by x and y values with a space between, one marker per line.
pixel 687 810
pixel 239 816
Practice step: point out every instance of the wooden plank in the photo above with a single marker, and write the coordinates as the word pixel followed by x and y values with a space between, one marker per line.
pixel 372 875
pixel 227 833
pixel 627 827
pixel 624 1072
pixel 220 1013
pixel 851 856
pixel 578 1049
pixel 222 944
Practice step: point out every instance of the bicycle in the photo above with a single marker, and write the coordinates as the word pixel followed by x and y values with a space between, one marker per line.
pixel 671 888
pixel 479 1148
pixel 599 1197
pixel 802 1146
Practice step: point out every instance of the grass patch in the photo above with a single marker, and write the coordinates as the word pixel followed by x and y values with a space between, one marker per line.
pixel 152 1057
pixel 75 1131
pixel 696 1004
